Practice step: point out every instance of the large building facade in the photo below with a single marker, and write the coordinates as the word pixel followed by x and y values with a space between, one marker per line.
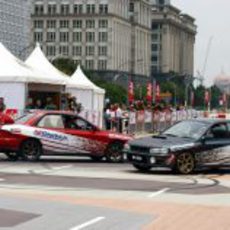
pixel 107 36
pixel 15 25
pixel 173 39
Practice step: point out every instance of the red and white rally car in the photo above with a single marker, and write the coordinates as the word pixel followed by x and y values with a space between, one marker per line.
pixel 59 133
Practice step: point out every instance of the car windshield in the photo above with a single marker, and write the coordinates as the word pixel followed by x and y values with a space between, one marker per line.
pixel 187 129
pixel 24 118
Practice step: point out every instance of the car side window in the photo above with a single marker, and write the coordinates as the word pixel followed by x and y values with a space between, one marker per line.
pixel 77 123
pixel 218 131
pixel 51 121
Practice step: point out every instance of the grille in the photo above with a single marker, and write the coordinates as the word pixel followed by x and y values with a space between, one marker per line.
pixel 139 149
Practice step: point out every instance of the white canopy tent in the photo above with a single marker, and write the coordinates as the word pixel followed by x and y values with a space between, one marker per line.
pixel 38 61
pixel 15 77
pixel 87 93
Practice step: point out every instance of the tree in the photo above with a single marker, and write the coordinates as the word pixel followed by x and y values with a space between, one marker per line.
pixel 116 93
pixel 66 65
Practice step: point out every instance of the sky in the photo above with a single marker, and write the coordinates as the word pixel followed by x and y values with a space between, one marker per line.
pixel 212 19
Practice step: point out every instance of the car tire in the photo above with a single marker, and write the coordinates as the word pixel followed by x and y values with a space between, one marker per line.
pixel 184 164
pixel 96 158
pixel 142 168
pixel 12 156
pixel 114 152
pixel 31 150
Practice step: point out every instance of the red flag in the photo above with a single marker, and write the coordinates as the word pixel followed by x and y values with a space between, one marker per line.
pixel 206 97
pixel 158 92
pixel 131 92
pixel 149 96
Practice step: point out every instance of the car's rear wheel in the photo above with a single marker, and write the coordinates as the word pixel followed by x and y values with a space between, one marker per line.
pixel 31 150
pixel 12 156
pixel 185 163
pixel 142 168
pixel 114 152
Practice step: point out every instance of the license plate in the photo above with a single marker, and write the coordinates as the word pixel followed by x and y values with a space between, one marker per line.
pixel 137 158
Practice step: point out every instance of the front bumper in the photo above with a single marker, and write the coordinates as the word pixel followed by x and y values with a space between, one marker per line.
pixel 150 159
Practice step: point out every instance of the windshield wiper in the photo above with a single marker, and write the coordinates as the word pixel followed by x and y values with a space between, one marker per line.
pixel 170 135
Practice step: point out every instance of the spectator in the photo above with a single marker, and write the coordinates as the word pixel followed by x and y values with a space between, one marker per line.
pixel 50 105
pixel 29 104
pixel 2 104
pixel 38 104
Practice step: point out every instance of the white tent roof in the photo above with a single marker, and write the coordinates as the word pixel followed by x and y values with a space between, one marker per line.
pixel 79 80
pixel 14 70
pixel 39 62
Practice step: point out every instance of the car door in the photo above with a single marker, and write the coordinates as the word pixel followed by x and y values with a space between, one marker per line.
pixel 50 130
pixel 88 138
pixel 216 144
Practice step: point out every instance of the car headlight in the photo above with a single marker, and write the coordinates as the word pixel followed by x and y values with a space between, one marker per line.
pixel 126 147
pixel 162 151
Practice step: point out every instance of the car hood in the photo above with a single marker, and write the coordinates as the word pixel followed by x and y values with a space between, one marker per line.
pixel 173 143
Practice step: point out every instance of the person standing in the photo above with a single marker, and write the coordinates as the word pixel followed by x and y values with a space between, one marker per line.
pixel 4 118
pixel 50 105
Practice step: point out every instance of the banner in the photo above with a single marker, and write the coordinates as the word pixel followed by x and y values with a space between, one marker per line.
pixel 131 92
pixel 149 95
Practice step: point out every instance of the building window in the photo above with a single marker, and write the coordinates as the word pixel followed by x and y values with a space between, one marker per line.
pixel 50 50
pixel 64 36
pixel 131 7
pixel 78 9
pixel 154 47
pixel 51 24
pixel 77 24
pixel 89 64
pixel 155 26
pixel 89 50
pixel 39 10
pixel 52 9
pixel 51 37
pixel 90 36
pixel 64 50
pixel 103 8
pixel 102 64
pixel 103 23
pixel 64 9
pixel 154 37
pixel 103 36
pixel 77 36
pixel 38 24
pixel 77 50
pixel 90 24
pixel 38 36
pixel 154 58
pixel 90 9
pixel 102 50
pixel 64 24
pixel 77 62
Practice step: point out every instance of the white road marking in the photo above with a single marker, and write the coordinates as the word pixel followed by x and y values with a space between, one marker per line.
pixel 1 179
pixel 90 222
pixel 158 192
pixel 62 167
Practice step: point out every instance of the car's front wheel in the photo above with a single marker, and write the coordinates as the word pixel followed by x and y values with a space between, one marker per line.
pixel 114 152
pixel 96 158
pixel 185 163
pixel 31 150
pixel 142 168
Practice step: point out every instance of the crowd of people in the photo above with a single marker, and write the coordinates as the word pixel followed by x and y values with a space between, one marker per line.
pixel 70 104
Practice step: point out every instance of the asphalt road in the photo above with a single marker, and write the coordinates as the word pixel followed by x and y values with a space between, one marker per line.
pixel 76 193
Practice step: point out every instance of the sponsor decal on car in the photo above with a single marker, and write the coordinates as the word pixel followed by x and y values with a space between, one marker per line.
pixel 49 135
